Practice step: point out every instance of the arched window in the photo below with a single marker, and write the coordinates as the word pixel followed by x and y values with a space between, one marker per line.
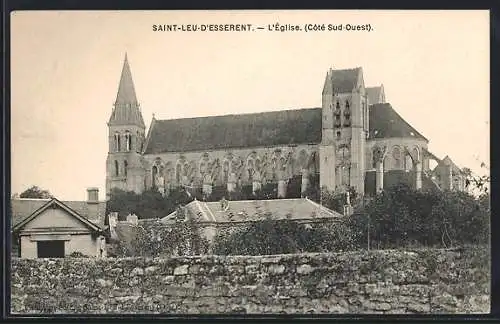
pixel 337 122
pixel 416 154
pixel 117 169
pixel 347 114
pixel 225 170
pixel 125 167
pixel 128 141
pixel 250 169
pixel 374 159
pixel 117 142
pixel 274 167
pixel 302 160
pixel 178 170
pixel 155 173
pixel 396 155
pixel 283 163
pixel 363 113
pixel 336 115
pixel 203 167
pixel 408 162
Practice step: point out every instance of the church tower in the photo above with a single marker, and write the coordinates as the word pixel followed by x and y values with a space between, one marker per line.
pixel 124 164
pixel 327 147
pixel 345 129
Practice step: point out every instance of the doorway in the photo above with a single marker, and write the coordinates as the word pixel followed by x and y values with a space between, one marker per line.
pixel 50 249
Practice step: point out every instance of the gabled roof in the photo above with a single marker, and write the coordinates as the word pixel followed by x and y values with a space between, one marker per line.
pixel 254 210
pixel 59 204
pixel 341 81
pixel 448 161
pixel 126 110
pixel 385 122
pixel 375 95
pixel 284 127
pixel 22 208
pixel 430 154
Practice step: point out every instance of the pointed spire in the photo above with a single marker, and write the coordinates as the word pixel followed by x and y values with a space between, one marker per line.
pixel 126 90
pixel 126 110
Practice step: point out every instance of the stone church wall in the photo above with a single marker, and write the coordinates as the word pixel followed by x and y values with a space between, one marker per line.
pixel 381 282
pixel 391 143
pixel 295 158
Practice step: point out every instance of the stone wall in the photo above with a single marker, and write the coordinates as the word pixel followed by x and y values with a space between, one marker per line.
pixel 420 281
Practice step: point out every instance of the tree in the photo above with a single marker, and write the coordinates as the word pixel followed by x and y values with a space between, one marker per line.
pixel 148 204
pixel 337 200
pixel 478 184
pixel 154 239
pixel 36 192
pixel 272 236
pixel 402 217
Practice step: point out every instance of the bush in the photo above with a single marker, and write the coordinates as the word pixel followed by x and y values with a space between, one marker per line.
pixel 400 217
pixel 78 254
pixel 270 236
pixel 155 239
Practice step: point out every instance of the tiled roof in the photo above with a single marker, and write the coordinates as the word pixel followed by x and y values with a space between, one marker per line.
pixel 374 94
pixel 430 154
pixel 341 81
pixel 299 126
pixel 253 210
pixel 385 122
pixel 23 208
pixel 234 131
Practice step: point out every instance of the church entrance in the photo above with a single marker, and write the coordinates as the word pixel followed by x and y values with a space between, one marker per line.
pixel 50 249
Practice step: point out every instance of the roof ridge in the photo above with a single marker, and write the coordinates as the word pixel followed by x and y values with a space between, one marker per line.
pixel 209 211
pixel 256 200
pixel 327 210
pixel 242 114
pixel 34 199
pixel 62 205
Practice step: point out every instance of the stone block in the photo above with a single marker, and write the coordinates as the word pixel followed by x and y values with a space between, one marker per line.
pixel 181 270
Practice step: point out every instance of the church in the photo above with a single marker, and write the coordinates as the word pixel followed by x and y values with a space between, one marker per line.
pixel 356 139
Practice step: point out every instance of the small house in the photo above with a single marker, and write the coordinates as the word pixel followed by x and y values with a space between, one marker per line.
pixel 50 228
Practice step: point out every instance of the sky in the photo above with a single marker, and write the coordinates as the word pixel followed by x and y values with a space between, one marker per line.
pixel 66 65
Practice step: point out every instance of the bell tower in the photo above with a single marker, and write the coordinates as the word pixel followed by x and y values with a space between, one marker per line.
pixel 124 164
pixel 327 147
pixel 345 127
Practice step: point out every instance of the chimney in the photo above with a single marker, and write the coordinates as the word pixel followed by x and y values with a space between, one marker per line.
pixel 92 195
